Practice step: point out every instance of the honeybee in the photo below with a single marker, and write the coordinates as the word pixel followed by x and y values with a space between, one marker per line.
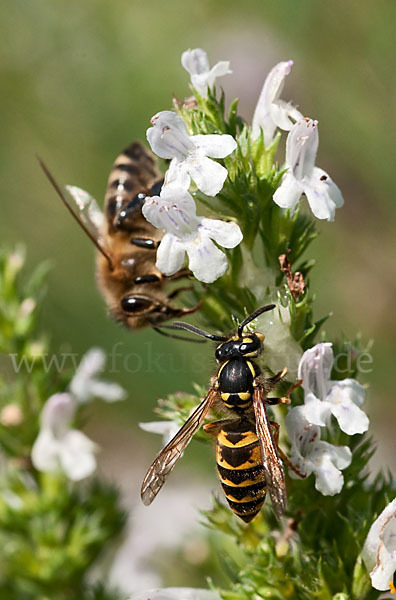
pixel 129 281
pixel 247 451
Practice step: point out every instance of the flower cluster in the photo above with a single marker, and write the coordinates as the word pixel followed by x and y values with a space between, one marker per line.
pixel 192 157
pixel 324 398
pixel 174 209
pixel 58 444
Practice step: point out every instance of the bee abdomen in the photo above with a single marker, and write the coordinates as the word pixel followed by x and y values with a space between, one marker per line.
pixel 134 171
pixel 239 464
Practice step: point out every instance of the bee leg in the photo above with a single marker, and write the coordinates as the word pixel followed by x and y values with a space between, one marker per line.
pixel 189 311
pixel 214 428
pixel 282 455
pixel 178 275
pixel 184 311
pixel 187 288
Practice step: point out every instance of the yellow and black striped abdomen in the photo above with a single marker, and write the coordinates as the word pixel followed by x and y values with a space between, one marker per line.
pixel 239 464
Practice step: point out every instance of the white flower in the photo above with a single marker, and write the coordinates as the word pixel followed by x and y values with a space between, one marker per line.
pixel 271 112
pixel 302 177
pixel 167 429
pixel 175 594
pixel 379 551
pixel 311 455
pixel 58 446
pixel 85 386
pixel 169 139
pixel 324 397
pixel 174 210
pixel 202 76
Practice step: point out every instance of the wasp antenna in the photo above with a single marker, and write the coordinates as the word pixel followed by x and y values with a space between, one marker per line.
pixel 58 190
pixel 196 330
pixel 254 315
pixel 176 337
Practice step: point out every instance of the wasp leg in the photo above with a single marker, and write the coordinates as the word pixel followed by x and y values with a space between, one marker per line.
pixel 282 455
pixel 285 399
pixel 277 377
pixel 274 401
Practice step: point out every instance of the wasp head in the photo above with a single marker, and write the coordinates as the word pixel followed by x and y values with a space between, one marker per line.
pixel 244 346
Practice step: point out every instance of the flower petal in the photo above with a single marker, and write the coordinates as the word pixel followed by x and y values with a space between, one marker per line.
pixel 311 455
pixel 225 234
pixel 319 200
pixel 302 147
pixel 316 411
pixel 170 255
pixel 302 435
pixel 218 70
pixel 174 210
pixel 271 90
pixel 289 192
pixel 322 194
pixel 214 145
pixel 58 413
pixel 379 550
pixel 168 137
pixel 333 190
pixel 345 397
pixel 45 451
pixel 206 261
pixel 91 364
pixel 107 391
pixel 284 114
pixel 315 369
pixel 195 61
pixel 208 175
pixel 177 176
pixel 76 455
pixel 328 460
pixel 341 456
pixel 151 212
pixel 167 429
pixel 202 76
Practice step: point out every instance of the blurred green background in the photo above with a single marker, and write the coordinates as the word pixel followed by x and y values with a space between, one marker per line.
pixel 80 80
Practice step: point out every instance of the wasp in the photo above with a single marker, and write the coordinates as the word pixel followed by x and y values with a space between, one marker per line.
pixel 133 288
pixel 247 451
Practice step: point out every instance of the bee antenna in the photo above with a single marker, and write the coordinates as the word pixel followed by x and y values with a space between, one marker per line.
pixel 253 316
pixel 196 330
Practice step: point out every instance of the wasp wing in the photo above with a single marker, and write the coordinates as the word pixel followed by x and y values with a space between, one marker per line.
pixel 168 457
pixel 88 214
pixel 272 465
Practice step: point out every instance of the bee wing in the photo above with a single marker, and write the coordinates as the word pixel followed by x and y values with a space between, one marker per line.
pixel 272 465
pixel 168 457
pixel 89 216
pixel 88 210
